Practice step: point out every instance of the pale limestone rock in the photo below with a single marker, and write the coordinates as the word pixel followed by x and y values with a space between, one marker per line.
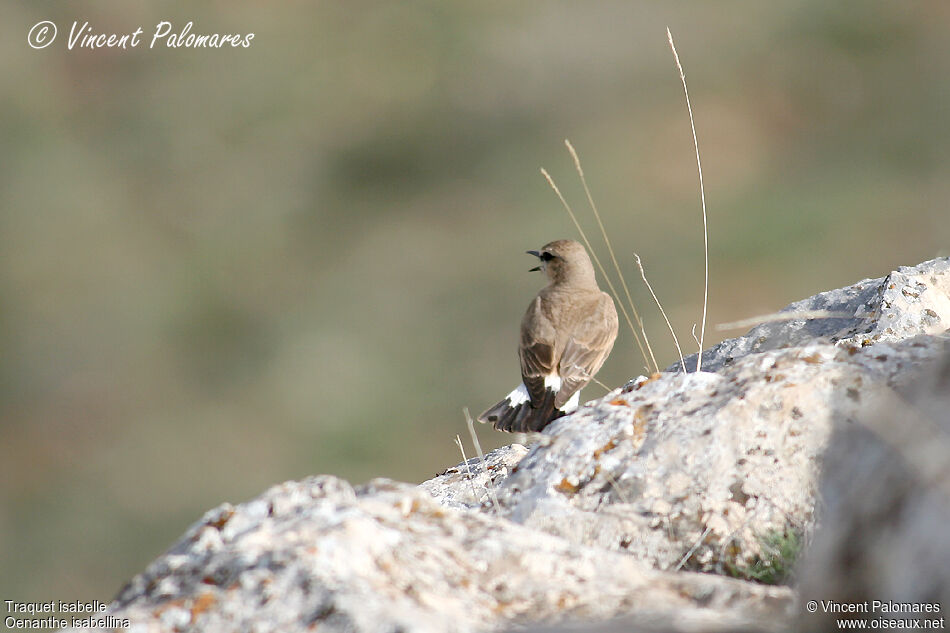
pixel 697 470
pixel 907 302
pixel 703 470
pixel 678 472
pixel 319 554
pixel 470 484
pixel 886 509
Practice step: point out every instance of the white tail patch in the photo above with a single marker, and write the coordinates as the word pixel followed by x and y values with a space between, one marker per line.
pixel 571 405
pixel 518 396
pixel 552 383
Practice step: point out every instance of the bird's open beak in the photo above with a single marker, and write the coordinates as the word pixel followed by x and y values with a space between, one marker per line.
pixel 536 254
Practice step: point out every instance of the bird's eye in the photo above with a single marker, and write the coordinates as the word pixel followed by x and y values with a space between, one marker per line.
pixel 546 256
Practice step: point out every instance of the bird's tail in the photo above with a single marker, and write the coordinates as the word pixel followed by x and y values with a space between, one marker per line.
pixel 515 414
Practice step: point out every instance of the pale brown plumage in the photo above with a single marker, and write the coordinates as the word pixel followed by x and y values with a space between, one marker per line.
pixel 566 335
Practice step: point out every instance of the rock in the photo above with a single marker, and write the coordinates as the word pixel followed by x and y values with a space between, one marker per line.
pixel 471 483
pixel 387 557
pixel 614 510
pixel 704 471
pixel 884 539
pixel 712 471
pixel 908 302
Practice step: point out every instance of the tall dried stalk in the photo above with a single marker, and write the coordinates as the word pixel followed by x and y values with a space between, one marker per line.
pixel 610 249
pixel 600 266
pixel 702 193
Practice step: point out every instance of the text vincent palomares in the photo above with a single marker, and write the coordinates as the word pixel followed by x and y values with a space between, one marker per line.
pixel 875 606
pixel 84 37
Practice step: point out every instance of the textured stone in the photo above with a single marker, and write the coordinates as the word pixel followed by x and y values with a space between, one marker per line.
pixel 706 470
pixel 604 516
pixel 384 557
pixel 700 469
pixel 885 496
pixel 907 302
pixel 471 483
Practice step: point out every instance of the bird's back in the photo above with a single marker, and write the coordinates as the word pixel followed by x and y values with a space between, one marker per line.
pixel 566 334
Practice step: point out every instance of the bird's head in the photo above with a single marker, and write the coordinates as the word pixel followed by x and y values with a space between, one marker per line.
pixel 564 261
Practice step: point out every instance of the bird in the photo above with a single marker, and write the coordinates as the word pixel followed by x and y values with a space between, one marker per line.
pixel 566 334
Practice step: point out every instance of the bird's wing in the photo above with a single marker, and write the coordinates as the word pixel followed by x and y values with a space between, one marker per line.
pixel 587 347
pixel 536 351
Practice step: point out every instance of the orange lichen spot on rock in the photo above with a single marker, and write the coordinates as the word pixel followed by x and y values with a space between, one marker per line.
pixel 160 609
pixel 640 420
pixel 653 376
pixel 606 447
pixel 567 487
pixel 221 520
pixel 202 603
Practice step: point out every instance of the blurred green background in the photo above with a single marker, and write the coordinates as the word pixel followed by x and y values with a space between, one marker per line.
pixel 223 269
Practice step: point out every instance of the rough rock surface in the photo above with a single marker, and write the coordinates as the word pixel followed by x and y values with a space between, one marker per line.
pixel 387 557
pixel 707 470
pixel 886 510
pixel 606 513
pixel 909 301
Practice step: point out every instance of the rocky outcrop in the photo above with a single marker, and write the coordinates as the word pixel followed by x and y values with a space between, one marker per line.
pixel 885 525
pixel 387 557
pixel 714 471
pixel 616 508
pixel 908 302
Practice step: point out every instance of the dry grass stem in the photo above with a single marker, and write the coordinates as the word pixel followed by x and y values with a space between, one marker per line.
pixel 662 311
pixel 616 486
pixel 610 249
pixel 471 479
pixel 481 456
pixel 801 315
pixel 613 291
pixel 693 549
pixel 702 193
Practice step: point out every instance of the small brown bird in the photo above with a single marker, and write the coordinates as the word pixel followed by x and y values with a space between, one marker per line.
pixel 566 335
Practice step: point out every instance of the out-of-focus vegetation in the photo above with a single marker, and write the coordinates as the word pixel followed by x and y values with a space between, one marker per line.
pixel 222 269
